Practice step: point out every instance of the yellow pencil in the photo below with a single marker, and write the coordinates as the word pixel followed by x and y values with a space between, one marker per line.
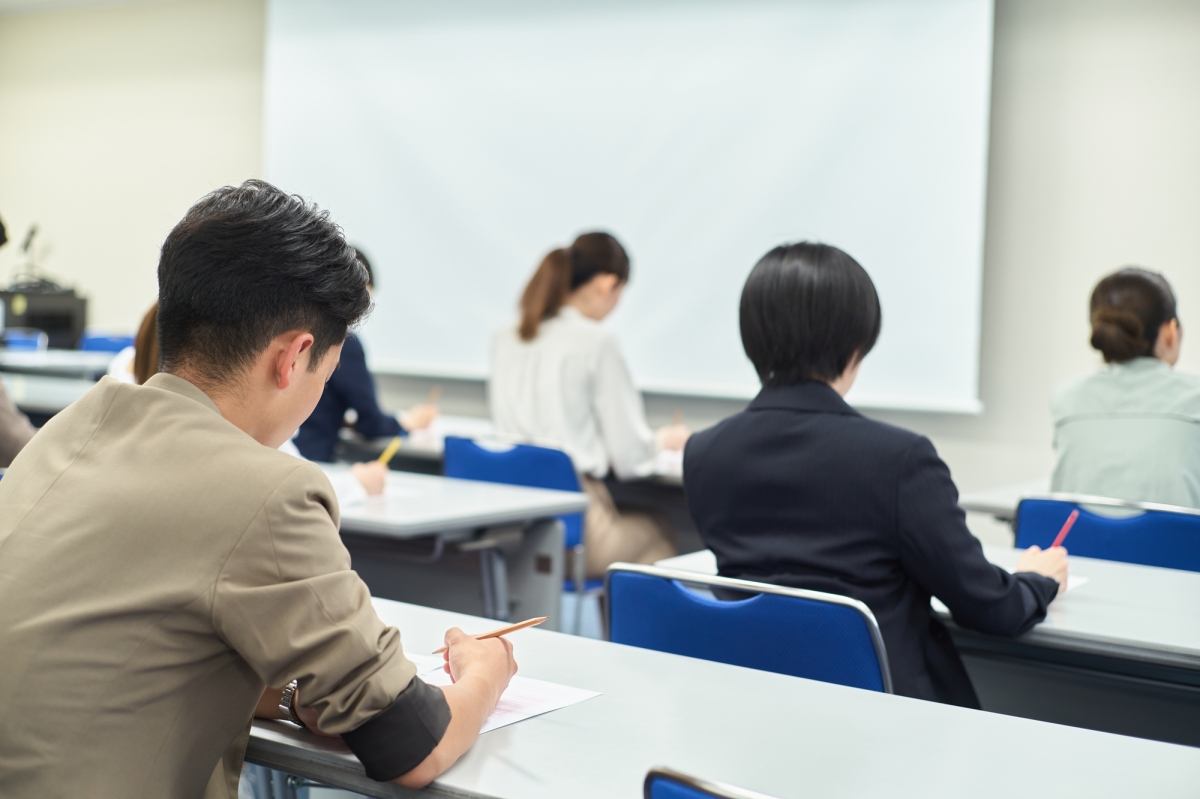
pixel 386 456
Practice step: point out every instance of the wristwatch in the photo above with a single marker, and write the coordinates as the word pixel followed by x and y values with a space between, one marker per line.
pixel 287 702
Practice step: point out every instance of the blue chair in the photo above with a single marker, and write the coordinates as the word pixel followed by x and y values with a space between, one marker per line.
pixel 786 630
pixel 25 339
pixel 100 342
pixel 663 783
pixel 1113 529
pixel 526 465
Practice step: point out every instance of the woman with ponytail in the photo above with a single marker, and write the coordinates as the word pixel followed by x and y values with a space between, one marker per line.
pixel 1132 430
pixel 558 378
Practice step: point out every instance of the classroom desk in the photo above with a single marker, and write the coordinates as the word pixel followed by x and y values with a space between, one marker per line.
pixel 1002 502
pixel 41 397
pixel 1120 653
pixel 783 736
pixel 422 453
pixel 78 364
pixel 485 548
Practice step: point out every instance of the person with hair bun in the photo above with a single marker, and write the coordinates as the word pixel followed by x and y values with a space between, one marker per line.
pixel 558 379
pixel 802 490
pixel 1132 430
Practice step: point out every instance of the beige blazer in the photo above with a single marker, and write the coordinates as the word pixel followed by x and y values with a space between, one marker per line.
pixel 15 429
pixel 158 567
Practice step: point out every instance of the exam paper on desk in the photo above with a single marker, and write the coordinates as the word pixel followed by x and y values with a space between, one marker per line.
pixel 524 698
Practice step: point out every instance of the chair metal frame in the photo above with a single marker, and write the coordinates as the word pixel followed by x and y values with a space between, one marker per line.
pixel 1087 499
pixel 718 790
pixel 751 587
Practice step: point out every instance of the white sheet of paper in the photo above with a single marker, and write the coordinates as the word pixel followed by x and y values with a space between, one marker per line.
pixel 524 698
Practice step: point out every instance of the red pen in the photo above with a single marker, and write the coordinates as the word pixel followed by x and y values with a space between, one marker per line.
pixel 1066 528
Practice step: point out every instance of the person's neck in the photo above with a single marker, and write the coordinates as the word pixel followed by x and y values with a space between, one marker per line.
pixel 232 400
pixel 583 307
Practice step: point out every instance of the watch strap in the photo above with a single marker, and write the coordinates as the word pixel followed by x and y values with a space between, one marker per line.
pixel 287 703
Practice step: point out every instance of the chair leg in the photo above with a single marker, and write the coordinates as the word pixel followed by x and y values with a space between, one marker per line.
pixel 580 569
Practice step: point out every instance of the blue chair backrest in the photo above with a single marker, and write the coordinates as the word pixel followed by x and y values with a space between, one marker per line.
pixel 25 339
pixel 98 342
pixel 664 783
pixel 1155 536
pixel 519 464
pixel 802 633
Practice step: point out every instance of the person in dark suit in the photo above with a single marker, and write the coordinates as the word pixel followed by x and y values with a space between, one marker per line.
pixel 801 490
pixel 353 387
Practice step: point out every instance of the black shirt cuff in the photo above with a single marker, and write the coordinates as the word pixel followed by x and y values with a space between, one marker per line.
pixel 395 742
pixel 1037 594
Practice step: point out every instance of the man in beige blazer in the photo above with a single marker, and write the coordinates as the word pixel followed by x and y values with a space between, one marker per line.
pixel 164 569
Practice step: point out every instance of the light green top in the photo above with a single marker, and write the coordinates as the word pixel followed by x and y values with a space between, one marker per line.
pixel 1131 431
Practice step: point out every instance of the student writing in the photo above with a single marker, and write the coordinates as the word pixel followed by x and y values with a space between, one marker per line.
pixel 801 490
pixel 558 378
pixel 352 388
pixel 167 570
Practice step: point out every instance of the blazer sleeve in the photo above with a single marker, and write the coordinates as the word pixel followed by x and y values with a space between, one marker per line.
pixel 939 552
pixel 353 381
pixel 288 602
pixel 618 405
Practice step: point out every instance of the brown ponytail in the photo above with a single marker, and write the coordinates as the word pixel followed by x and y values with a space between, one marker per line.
pixel 1128 309
pixel 145 347
pixel 545 292
pixel 564 270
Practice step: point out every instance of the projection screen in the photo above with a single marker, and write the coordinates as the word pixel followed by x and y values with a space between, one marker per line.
pixel 458 141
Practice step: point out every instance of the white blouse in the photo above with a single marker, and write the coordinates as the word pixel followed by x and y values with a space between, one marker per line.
pixel 570 388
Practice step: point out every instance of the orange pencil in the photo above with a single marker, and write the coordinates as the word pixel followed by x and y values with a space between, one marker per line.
pixel 512 628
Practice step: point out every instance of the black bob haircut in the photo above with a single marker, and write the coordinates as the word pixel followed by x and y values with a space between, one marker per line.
pixel 806 310
pixel 245 265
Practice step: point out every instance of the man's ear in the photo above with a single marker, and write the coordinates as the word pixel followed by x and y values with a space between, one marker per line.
pixel 293 355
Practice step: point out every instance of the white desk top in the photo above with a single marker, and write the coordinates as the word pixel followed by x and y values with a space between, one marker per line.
pixel 1132 612
pixel 781 735
pixel 41 394
pixel 430 444
pixel 57 363
pixel 1002 502
pixel 420 504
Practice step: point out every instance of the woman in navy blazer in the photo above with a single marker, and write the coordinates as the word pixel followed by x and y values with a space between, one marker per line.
pixel 801 490
pixel 352 387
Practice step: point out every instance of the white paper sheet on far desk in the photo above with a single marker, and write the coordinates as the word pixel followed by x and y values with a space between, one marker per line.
pixel 524 698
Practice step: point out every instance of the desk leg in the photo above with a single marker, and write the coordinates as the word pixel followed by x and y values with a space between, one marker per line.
pixel 495 583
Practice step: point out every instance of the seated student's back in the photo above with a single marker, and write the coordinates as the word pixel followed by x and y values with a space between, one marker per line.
pixel 1131 430
pixel 801 490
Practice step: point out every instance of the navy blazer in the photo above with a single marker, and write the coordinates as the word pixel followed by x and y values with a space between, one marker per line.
pixel 801 490
pixel 351 386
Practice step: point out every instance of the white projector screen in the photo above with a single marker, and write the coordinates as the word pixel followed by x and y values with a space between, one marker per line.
pixel 457 141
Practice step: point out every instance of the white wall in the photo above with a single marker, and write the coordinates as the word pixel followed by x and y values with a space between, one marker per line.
pixel 113 120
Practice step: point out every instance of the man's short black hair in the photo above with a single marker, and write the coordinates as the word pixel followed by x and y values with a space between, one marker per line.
pixel 806 310
pixel 245 265
pixel 366 262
